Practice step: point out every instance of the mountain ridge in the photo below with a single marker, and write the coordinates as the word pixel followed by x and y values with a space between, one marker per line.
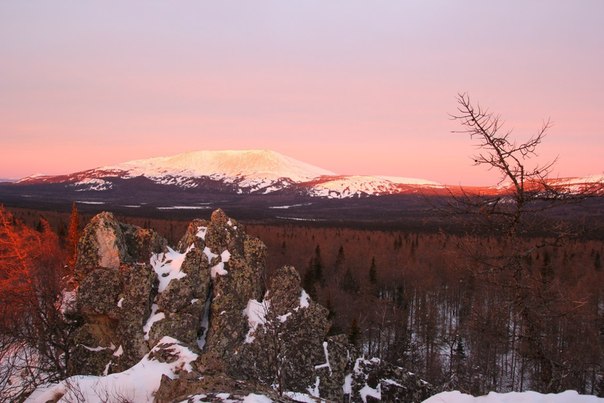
pixel 216 175
pixel 244 171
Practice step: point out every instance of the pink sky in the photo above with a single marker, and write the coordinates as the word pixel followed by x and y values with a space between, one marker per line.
pixel 353 87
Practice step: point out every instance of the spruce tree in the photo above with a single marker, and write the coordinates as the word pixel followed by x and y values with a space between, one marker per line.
pixel 73 235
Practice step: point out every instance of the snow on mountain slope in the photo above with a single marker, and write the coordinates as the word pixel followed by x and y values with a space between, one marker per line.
pixel 248 168
pixel 260 172
pixel 339 187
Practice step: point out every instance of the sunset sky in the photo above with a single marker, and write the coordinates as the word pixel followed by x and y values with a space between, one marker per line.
pixel 356 87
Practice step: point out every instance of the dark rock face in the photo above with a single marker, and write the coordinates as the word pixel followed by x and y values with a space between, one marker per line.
pixel 375 380
pixel 286 347
pixel 209 295
pixel 113 304
pixel 341 361
pixel 237 270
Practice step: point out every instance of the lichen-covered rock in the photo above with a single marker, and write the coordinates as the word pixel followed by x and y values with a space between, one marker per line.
pixel 193 387
pixel 195 285
pixel 237 269
pixel 194 235
pixel 107 243
pixel 376 380
pixel 134 305
pixel 113 304
pixel 287 342
pixel 340 356
pixel 145 291
pixel 102 243
pixel 182 326
pixel 142 242
pixel 115 294
pixel 93 347
pixel 98 293
pixel 210 295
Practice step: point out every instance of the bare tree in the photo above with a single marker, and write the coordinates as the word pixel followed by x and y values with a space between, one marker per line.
pixel 536 300
pixel 530 186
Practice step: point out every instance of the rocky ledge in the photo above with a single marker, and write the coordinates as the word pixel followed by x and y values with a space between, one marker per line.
pixel 208 300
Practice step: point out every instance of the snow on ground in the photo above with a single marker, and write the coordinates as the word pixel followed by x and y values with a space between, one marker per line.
pixel 290 206
pixel 579 181
pixel 167 267
pixel 570 396
pixel 184 208
pixel 209 254
pixel 300 218
pixel 137 384
pixel 347 387
pixel 409 181
pixel 256 311
pixel 228 398
pixel 89 202
pixel 302 397
pixel 18 370
pixel 369 391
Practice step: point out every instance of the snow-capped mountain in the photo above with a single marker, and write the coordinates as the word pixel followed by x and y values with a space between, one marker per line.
pixel 252 172
pixel 249 169
pixel 238 171
pixel 358 186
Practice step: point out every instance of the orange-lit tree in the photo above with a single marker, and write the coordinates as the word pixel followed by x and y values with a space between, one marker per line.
pixel 34 334
pixel 73 235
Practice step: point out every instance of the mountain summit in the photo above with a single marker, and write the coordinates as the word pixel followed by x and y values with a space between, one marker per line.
pixel 251 164
pixel 235 171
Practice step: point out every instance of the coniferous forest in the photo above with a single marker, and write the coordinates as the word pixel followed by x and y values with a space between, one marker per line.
pixel 428 302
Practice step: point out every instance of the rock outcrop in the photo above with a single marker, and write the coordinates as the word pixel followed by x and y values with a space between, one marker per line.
pixel 285 343
pixel 209 294
pixel 108 243
pixel 237 271
pixel 376 380
pixel 114 296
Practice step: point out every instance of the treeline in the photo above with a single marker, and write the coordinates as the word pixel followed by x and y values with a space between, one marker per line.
pixel 424 302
